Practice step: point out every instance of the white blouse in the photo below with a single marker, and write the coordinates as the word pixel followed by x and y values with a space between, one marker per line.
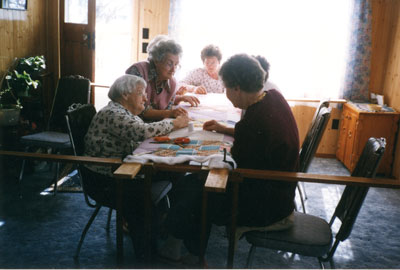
pixel 199 76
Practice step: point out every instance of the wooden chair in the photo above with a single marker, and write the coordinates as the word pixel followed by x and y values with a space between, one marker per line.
pixel 311 143
pixel 312 235
pixel 70 89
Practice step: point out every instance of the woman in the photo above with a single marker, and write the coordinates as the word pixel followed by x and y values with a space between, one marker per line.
pixel 205 80
pixel 115 131
pixel 265 138
pixel 158 72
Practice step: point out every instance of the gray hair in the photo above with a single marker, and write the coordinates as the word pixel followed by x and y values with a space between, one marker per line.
pixel 160 46
pixel 125 85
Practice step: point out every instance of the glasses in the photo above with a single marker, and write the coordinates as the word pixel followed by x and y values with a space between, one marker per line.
pixel 170 65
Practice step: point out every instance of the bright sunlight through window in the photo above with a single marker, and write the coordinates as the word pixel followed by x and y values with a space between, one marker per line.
pixel 304 41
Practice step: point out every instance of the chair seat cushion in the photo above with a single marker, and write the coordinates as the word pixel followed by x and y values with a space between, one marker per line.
pixel 47 139
pixel 309 236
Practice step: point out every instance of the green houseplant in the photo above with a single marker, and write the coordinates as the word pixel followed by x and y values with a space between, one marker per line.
pixel 16 83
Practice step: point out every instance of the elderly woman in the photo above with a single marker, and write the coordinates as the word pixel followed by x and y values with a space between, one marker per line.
pixel 158 72
pixel 265 138
pixel 116 131
pixel 204 80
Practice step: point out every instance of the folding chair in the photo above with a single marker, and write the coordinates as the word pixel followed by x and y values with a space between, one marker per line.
pixel 311 143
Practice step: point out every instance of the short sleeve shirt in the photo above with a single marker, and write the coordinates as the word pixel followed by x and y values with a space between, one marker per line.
pixel 200 77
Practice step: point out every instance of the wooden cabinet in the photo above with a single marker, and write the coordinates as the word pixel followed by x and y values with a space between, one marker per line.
pixel 359 124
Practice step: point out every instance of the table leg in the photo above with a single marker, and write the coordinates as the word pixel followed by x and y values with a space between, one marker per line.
pixel 231 248
pixel 120 240
pixel 147 211
pixel 203 227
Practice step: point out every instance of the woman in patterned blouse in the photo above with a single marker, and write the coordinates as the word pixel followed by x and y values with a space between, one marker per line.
pixel 158 72
pixel 204 80
pixel 116 131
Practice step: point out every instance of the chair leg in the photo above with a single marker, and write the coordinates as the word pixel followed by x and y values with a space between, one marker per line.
pixel 301 198
pixel 109 220
pixel 250 257
pixel 56 178
pixel 303 186
pixel 78 249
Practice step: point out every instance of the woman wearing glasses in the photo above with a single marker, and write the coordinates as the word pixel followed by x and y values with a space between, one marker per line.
pixel 205 80
pixel 158 72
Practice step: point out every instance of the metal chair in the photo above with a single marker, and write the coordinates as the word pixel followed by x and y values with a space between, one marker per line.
pixel 311 143
pixel 78 119
pixel 313 236
pixel 70 89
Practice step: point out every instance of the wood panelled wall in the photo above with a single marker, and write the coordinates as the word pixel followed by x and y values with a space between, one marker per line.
pixel 385 62
pixel 22 33
pixel 30 33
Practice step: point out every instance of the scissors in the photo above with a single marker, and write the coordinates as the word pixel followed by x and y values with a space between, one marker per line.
pixel 166 139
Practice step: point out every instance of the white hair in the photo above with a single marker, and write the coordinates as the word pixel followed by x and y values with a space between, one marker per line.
pixel 125 85
pixel 160 46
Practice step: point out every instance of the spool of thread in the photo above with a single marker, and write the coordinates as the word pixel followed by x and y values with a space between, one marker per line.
pixel 190 127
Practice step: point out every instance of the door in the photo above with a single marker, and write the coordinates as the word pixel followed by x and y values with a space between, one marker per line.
pixel 78 37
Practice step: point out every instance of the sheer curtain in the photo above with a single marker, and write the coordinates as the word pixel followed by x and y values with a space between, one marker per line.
pixel 306 42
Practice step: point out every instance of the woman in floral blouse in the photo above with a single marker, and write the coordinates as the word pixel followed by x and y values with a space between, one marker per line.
pixel 115 131
pixel 204 80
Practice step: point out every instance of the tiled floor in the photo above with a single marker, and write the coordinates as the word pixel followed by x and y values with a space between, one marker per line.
pixel 42 231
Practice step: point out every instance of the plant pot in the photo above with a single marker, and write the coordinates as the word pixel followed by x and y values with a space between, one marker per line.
pixel 9 116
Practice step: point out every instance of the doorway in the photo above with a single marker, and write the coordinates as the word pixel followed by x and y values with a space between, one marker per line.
pixel 97 39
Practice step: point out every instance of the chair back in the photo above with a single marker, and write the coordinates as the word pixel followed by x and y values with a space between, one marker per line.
pixel 78 119
pixel 353 196
pixel 314 135
pixel 70 89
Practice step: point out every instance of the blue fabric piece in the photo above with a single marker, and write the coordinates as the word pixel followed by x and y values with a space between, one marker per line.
pixel 209 147
pixel 186 152
pixel 170 146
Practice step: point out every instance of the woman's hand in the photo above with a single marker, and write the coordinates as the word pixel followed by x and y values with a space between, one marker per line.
pixel 174 113
pixel 194 101
pixel 213 125
pixel 200 90
pixel 182 90
pixel 180 122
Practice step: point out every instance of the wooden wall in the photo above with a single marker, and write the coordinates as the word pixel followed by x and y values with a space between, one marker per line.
pixel 29 33
pixel 154 15
pixel 385 63
pixel 22 33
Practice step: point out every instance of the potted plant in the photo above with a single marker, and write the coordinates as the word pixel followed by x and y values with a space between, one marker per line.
pixel 16 83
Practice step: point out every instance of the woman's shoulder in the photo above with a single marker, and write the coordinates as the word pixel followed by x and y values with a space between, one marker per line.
pixel 138 67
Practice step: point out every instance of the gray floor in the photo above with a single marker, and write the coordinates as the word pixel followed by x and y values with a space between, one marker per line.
pixel 42 231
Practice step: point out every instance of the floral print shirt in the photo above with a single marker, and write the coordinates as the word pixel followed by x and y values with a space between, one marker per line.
pixel 199 77
pixel 116 132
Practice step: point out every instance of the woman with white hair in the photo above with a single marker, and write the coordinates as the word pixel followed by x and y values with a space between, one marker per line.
pixel 158 71
pixel 115 131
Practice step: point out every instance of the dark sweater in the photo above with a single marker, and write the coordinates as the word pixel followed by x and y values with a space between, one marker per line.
pixel 266 138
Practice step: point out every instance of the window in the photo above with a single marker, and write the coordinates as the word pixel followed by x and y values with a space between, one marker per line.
pixel 304 41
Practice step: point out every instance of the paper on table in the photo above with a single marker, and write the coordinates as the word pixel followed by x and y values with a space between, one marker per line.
pixel 197 135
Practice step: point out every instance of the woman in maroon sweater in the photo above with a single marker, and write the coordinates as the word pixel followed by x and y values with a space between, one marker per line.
pixel 265 138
